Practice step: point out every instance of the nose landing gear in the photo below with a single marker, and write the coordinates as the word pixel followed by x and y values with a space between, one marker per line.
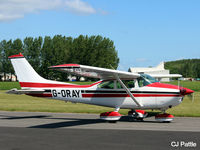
pixel 137 115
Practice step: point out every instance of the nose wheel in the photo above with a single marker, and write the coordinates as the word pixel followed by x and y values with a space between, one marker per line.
pixel 137 115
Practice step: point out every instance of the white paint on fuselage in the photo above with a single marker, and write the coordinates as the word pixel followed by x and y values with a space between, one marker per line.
pixel 151 102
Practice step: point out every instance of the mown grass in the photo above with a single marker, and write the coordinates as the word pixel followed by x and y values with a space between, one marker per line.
pixel 9 85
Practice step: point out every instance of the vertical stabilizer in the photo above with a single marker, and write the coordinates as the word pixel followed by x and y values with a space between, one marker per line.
pixel 29 78
pixel 23 70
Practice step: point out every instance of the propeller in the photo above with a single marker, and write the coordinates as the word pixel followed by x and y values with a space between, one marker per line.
pixel 186 91
pixel 191 97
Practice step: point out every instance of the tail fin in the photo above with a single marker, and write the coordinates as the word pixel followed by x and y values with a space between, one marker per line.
pixel 29 78
pixel 23 70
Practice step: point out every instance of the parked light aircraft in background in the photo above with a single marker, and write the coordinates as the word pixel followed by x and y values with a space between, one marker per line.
pixel 116 89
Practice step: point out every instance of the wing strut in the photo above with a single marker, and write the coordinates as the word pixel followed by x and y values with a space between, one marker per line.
pixel 128 91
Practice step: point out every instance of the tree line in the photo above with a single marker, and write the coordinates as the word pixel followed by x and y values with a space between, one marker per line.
pixel 44 52
pixel 186 67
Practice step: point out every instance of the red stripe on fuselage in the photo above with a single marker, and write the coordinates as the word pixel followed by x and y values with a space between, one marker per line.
pixel 126 95
pixel 53 85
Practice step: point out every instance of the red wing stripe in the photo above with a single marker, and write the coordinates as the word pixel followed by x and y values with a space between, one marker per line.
pixel 65 65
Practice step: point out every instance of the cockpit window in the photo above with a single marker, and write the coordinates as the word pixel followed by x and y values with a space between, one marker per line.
pixel 149 78
pixel 129 84
pixel 142 81
pixel 116 85
pixel 145 80
pixel 106 85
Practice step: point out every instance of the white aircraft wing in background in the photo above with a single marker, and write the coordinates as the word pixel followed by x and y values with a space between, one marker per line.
pixel 94 72
pixel 166 75
pixel 160 76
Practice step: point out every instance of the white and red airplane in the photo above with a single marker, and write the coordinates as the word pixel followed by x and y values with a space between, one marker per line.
pixel 116 89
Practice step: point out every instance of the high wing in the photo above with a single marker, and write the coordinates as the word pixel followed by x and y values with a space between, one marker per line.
pixel 94 72
pixel 101 73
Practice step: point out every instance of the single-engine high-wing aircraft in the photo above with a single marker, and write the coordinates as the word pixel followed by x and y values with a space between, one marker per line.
pixel 116 89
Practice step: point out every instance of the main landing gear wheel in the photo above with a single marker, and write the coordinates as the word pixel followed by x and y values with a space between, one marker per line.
pixel 167 118
pixel 111 117
pixel 137 115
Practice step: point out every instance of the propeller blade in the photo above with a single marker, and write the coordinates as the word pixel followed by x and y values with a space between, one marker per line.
pixel 191 97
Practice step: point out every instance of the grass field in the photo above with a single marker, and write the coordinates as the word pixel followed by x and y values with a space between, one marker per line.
pixel 9 102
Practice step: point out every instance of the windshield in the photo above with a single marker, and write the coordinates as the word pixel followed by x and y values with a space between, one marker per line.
pixel 146 80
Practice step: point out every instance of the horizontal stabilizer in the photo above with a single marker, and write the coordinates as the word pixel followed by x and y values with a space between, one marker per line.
pixel 15 91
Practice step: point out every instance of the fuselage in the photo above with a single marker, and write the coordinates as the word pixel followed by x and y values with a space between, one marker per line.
pixel 152 96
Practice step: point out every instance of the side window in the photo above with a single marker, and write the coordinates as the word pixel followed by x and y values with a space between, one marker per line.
pixel 142 82
pixel 119 85
pixel 129 84
pixel 107 85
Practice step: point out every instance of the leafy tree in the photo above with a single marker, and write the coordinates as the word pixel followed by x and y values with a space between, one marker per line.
pixel 1 61
pixel 32 51
pixel 46 57
pixel 42 53
pixel 186 67
pixel 6 51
